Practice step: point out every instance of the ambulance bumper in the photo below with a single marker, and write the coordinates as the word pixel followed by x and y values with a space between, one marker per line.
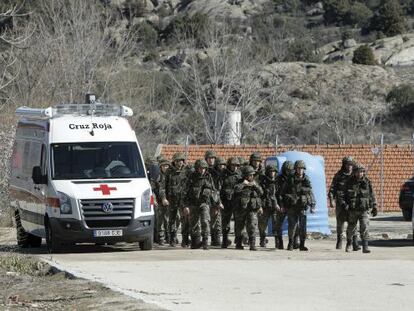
pixel 76 231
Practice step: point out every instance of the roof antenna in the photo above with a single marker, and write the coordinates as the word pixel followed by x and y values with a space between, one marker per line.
pixel 91 100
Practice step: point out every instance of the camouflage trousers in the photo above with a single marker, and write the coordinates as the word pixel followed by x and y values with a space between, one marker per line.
pixel 353 217
pixel 176 209
pixel 215 224
pixel 242 218
pixel 264 220
pixel 161 216
pixel 226 214
pixel 341 218
pixel 200 221
pixel 297 222
pixel 278 224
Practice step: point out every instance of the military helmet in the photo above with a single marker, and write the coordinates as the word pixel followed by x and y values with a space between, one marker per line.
pixel 255 156
pixel 233 161
pixel 162 160
pixel 200 163
pixel 248 170
pixel 243 161
pixel 287 166
pixel 220 161
pixel 178 156
pixel 347 160
pixel 359 168
pixel 210 154
pixel 270 168
pixel 299 164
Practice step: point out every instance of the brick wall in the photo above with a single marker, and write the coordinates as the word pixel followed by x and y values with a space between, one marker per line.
pixel 398 161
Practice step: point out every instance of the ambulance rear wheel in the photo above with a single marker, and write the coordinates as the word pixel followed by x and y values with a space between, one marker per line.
pixel 52 243
pixel 35 241
pixel 146 245
pixel 23 238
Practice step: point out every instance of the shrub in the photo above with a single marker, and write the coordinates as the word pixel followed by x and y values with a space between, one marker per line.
pixel 358 15
pixel 389 18
pixel 402 100
pixel 364 56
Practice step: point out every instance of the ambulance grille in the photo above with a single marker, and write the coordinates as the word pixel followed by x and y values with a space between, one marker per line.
pixel 95 217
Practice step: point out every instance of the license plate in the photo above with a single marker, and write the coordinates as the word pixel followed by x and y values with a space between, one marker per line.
pixel 103 233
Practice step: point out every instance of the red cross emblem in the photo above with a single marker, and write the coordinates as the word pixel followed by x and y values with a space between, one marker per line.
pixel 105 189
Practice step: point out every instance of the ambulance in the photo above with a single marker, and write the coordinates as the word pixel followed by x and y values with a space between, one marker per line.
pixel 77 176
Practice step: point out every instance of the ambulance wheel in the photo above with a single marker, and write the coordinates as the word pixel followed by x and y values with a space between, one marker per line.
pixel 23 238
pixel 34 240
pixel 146 245
pixel 52 244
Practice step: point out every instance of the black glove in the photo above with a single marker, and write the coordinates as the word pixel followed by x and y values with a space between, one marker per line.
pixel 374 212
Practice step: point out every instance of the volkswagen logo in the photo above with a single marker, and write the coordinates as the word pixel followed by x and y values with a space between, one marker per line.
pixel 107 207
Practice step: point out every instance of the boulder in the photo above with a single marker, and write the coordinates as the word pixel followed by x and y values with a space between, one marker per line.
pixel 402 58
pixel 349 43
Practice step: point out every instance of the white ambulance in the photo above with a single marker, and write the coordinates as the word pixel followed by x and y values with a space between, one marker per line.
pixel 77 175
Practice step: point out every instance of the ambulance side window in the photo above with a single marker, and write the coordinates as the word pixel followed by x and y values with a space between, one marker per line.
pixel 43 160
pixel 27 168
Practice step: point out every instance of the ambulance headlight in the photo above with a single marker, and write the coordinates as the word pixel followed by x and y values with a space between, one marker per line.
pixel 146 201
pixel 65 205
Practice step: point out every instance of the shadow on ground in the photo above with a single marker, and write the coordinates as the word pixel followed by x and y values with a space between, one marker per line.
pixel 392 243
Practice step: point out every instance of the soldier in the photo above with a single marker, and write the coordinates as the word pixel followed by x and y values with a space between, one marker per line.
pixel 171 191
pixel 247 194
pixel 210 157
pixel 359 200
pixel 215 225
pixel 161 211
pixel 281 213
pixel 255 161
pixel 230 180
pixel 298 197
pixel 270 205
pixel 199 199
pixel 337 197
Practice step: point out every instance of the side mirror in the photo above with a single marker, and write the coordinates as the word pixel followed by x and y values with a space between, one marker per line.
pixel 37 176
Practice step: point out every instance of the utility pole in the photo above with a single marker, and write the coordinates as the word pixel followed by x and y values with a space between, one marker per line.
pixel 382 173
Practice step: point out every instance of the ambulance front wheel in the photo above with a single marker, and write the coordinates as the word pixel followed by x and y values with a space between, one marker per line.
pixel 146 245
pixel 52 243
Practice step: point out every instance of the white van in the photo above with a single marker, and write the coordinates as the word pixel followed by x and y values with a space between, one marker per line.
pixel 77 175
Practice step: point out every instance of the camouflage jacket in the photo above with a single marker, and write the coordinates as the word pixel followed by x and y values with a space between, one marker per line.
pixel 230 180
pixel 297 193
pixel 269 187
pixel 248 196
pixel 218 177
pixel 156 184
pixel 174 183
pixel 281 181
pixel 338 187
pixel 200 189
pixel 359 194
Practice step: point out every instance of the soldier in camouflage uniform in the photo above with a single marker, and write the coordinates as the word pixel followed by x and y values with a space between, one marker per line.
pixel 171 191
pixel 297 198
pixel 161 211
pixel 217 173
pixel 359 200
pixel 336 199
pixel 199 198
pixel 247 195
pixel 230 180
pixel 269 200
pixel 281 213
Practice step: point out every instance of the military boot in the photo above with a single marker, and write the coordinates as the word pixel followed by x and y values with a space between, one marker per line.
pixel 172 239
pixel 339 241
pixel 290 245
pixel 195 242
pixel 280 242
pixel 302 246
pixel 245 238
pixel 365 248
pixel 205 243
pixel 185 242
pixel 296 243
pixel 355 245
pixel 348 246
pixel 161 242
pixel 224 243
pixel 252 243
pixel 262 241
pixel 238 242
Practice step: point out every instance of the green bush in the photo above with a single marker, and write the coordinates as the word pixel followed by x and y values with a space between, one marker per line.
pixel 364 56
pixel 389 18
pixel 336 11
pixel 302 51
pixel 358 15
pixel 402 100
pixel 147 35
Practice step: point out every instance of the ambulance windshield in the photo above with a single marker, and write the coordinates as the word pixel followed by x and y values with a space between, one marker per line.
pixel 96 160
